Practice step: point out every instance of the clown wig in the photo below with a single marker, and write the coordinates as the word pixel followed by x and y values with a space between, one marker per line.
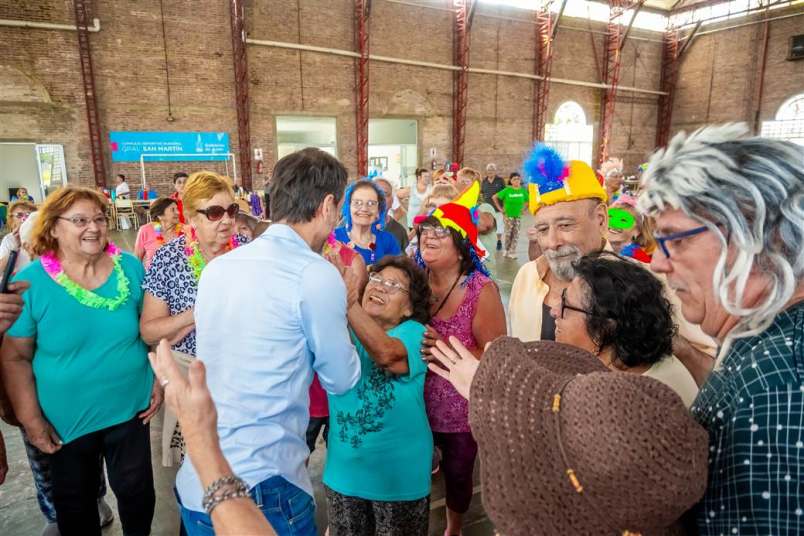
pixel 749 192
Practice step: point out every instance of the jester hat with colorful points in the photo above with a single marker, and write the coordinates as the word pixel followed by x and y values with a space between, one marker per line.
pixel 461 215
pixel 551 180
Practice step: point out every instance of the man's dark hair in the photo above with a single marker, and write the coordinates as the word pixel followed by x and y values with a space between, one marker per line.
pixel 301 181
pixel 628 309
pixel 122 176
pixel 159 206
pixel 420 171
pixel 514 174
pixel 418 288
pixel 179 175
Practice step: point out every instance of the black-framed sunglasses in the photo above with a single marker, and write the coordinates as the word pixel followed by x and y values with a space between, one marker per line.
pixel 663 240
pixel 565 305
pixel 216 212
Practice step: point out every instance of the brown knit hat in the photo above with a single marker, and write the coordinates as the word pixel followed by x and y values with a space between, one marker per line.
pixel 613 453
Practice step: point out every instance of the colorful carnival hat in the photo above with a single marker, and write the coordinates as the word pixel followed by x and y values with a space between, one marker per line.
pixel 551 180
pixel 461 215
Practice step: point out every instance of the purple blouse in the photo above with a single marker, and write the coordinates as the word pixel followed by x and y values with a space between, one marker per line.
pixel 447 410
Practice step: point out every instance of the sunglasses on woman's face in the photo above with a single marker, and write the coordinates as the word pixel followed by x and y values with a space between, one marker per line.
pixel 216 212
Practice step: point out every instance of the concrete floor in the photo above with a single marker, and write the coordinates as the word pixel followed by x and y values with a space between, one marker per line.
pixel 20 515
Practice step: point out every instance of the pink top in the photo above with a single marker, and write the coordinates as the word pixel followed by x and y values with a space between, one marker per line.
pixel 319 407
pixel 147 243
pixel 447 410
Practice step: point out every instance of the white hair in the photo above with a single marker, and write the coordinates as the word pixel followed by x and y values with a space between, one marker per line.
pixel 749 191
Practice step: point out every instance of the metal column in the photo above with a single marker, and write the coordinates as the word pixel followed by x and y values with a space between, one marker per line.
pixel 362 11
pixel 239 56
pixel 545 33
pixel 672 51
pixel 460 78
pixel 82 21
pixel 612 60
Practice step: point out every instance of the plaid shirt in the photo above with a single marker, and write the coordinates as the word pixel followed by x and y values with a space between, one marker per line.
pixel 753 408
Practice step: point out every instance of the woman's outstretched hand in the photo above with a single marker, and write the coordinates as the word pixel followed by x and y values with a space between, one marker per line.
pixel 454 363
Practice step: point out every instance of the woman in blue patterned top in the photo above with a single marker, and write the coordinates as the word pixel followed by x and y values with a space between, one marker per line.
pixel 377 473
pixel 171 282
pixel 364 214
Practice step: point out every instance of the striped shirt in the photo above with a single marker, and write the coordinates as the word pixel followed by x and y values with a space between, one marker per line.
pixel 753 408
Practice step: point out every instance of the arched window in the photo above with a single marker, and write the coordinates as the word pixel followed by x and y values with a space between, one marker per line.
pixel 569 134
pixel 789 121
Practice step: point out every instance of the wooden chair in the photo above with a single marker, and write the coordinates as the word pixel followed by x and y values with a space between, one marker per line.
pixel 125 212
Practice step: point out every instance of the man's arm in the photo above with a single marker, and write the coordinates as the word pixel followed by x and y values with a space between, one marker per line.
pixel 323 311
pixel 698 363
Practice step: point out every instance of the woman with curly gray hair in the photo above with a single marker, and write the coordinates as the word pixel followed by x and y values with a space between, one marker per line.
pixel 729 213
pixel 377 474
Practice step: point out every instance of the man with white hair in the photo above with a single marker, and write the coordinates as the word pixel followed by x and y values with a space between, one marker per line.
pixel 729 213
pixel 491 185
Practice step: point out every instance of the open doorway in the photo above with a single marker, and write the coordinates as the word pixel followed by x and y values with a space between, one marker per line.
pixel 39 168
pixel 393 149
pixel 294 133
pixel 569 134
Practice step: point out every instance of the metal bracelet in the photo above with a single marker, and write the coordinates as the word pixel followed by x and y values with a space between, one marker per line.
pixel 234 486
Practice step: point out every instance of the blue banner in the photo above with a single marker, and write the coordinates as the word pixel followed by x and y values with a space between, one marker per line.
pixel 168 146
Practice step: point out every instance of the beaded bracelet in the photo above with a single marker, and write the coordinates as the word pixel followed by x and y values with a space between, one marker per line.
pixel 234 486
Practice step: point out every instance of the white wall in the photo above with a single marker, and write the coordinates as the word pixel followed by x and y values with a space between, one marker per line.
pixel 18 167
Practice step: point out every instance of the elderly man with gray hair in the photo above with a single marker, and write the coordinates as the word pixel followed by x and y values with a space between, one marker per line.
pixel 491 185
pixel 729 213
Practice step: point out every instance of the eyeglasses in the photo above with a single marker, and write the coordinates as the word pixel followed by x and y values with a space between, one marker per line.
pixel 664 240
pixel 22 216
pixel 82 221
pixel 359 203
pixel 431 230
pixel 390 286
pixel 564 305
pixel 216 212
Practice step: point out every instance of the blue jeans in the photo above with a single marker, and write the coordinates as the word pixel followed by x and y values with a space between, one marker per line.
pixel 290 510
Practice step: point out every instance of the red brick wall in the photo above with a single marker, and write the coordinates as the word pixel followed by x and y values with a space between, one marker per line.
pixel 132 95
pixel 719 74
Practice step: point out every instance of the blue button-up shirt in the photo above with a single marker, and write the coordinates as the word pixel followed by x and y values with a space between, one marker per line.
pixel 268 315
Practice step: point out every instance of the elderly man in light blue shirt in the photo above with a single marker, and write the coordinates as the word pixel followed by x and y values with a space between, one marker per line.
pixel 268 315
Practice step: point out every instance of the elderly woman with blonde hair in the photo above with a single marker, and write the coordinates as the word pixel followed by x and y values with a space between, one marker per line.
pixel 171 282
pixel 74 401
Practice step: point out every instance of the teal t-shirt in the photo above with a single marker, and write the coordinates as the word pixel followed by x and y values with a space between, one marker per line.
pixel 513 200
pixel 90 365
pixel 380 445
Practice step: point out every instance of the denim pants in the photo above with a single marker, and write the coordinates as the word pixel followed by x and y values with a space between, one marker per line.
pixel 290 510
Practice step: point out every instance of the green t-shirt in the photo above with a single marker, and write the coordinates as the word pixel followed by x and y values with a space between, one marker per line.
pixel 513 200
pixel 380 445
pixel 90 365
